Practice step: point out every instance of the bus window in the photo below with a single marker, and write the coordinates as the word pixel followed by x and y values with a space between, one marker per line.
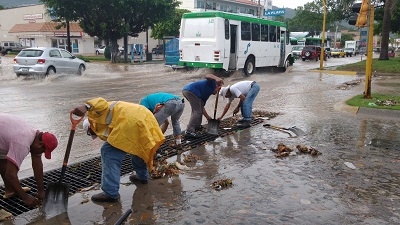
pixel 245 31
pixel 272 33
pixel 226 29
pixel 264 32
pixel 204 28
pixel 278 33
pixel 255 32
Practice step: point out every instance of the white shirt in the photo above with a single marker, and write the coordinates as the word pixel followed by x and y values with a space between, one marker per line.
pixel 239 88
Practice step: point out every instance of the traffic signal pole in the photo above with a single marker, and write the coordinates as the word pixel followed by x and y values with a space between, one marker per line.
pixel 368 65
pixel 322 55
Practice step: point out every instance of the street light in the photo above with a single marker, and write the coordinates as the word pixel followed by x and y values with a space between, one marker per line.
pixel 321 62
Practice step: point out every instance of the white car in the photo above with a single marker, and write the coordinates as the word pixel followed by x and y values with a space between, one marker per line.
pixel 46 61
pixel 100 50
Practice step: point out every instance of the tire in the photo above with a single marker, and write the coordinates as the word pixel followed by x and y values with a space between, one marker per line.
pixel 81 69
pixel 97 53
pixel 249 66
pixel 286 65
pixel 303 59
pixel 50 71
pixel 307 54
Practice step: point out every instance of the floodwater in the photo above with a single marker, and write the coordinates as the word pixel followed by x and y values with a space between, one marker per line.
pixel 354 181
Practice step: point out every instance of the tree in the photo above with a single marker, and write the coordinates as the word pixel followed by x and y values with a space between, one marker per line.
pixel 346 37
pixel 113 19
pixel 1 7
pixel 169 27
pixel 389 20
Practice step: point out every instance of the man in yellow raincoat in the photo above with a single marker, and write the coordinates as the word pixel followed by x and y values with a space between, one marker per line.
pixel 126 128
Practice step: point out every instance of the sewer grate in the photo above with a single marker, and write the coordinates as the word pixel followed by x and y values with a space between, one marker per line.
pixel 86 173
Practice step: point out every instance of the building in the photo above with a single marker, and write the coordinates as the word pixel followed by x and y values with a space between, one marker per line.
pixel 31 26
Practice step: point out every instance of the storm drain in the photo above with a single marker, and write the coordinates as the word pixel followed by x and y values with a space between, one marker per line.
pixel 85 174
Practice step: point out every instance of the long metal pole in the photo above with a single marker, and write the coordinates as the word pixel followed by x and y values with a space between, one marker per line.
pixel 321 62
pixel 368 65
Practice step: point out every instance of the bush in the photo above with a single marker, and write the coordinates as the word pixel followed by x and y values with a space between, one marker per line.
pixel 83 58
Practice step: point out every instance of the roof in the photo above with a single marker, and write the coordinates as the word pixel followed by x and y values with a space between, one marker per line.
pixel 43 27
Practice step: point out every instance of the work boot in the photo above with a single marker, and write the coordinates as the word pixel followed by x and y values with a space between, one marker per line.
pixel 103 197
pixel 244 124
pixel 134 179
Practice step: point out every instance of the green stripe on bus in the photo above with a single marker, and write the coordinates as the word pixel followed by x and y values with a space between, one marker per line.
pixel 201 65
pixel 232 16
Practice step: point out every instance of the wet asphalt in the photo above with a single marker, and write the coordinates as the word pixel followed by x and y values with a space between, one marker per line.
pixel 354 181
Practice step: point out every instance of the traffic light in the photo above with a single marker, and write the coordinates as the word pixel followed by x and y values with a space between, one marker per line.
pixel 360 20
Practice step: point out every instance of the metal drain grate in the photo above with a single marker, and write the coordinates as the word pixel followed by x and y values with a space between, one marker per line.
pixel 85 174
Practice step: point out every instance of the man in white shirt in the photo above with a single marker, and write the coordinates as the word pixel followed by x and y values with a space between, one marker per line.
pixel 246 91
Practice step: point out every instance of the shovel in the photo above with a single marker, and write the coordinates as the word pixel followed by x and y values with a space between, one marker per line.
pixel 213 124
pixel 297 131
pixel 56 196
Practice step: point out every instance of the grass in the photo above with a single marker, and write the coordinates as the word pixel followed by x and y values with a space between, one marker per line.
pixel 382 66
pixel 377 101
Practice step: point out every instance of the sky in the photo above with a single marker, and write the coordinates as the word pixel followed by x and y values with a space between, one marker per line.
pixel 289 3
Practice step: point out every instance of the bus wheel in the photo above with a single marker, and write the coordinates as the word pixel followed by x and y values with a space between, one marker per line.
pixel 286 65
pixel 249 67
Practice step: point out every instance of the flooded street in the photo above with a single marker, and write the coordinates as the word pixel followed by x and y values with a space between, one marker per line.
pixel 354 181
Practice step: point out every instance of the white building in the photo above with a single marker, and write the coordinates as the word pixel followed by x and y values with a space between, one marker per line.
pixel 31 26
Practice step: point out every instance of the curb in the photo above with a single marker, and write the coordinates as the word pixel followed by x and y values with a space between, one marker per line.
pixel 340 72
pixel 363 111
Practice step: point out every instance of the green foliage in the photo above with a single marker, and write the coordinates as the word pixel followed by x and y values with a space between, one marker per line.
pixel 346 37
pixel 376 101
pixel 310 16
pixel 107 52
pixel 169 27
pixel 395 17
pixel 112 20
pixel 2 7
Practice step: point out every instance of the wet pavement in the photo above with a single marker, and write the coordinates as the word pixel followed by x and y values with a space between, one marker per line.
pixel 354 181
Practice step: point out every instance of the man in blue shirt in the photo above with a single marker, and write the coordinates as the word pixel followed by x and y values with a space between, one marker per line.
pixel 164 105
pixel 197 93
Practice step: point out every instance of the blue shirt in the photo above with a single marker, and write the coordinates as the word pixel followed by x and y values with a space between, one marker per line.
pixel 150 101
pixel 203 89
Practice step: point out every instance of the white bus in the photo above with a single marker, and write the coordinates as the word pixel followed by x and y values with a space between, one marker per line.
pixel 228 41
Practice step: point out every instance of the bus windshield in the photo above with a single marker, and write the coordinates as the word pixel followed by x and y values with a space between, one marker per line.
pixel 199 28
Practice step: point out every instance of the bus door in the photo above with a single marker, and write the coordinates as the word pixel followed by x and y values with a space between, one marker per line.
pixel 282 47
pixel 233 46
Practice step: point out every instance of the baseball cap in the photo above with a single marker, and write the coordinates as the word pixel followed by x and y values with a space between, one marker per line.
pixel 223 91
pixel 50 142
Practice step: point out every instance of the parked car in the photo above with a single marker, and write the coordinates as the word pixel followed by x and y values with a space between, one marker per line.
pixel 46 61
pixel 338 52
pixel 311 52
pixel 349 52
pixel 100 50
pixel 10 46
pixel 296 51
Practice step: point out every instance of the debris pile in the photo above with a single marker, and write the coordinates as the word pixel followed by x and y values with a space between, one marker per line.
pixel 308 150
pixel 222 184
pixel 190 157
pixel 388 102
pixel 162 168
pixel 283 150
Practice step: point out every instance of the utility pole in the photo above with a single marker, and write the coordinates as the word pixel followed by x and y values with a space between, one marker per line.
pixel 368 65
pixel 321 62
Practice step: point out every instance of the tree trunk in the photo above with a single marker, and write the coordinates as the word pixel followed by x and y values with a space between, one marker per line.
pixel 385 30
pixel 115 56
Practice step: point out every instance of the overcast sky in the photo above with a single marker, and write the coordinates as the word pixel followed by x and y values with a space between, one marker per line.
pixel 289 3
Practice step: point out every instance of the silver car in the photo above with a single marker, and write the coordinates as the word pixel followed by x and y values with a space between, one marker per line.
pixel 46 61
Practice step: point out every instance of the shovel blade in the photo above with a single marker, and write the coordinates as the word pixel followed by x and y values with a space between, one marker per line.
pixel 212 127
pixel 297 131
pixel 56 199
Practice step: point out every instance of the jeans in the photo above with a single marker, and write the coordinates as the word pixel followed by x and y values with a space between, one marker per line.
pixel 111 162
pixel 197 111
pixel 173 108
pixel 247 104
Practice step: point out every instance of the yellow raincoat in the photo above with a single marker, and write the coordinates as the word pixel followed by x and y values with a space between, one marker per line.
pixel 129 127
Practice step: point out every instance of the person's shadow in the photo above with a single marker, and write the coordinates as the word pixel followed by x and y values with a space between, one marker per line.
pixel 160 195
